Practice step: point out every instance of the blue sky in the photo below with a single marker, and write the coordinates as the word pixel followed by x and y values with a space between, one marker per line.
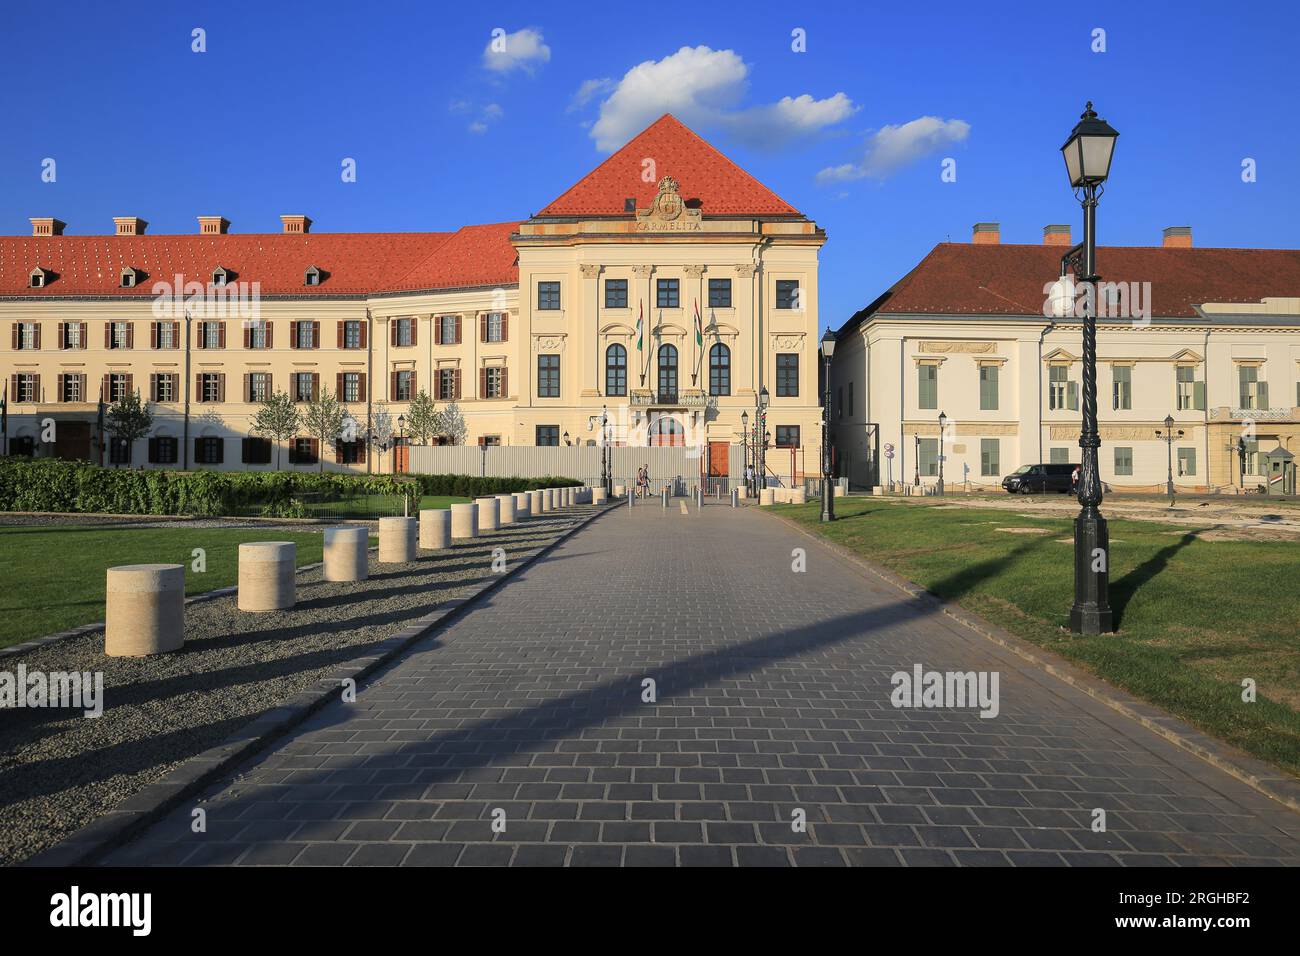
pixel 446 133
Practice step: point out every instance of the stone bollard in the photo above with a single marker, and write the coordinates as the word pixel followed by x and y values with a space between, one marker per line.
pixel 488 512
pixel 144 610
pixel 663 498
pixel 505 509
pixel 767 497
pixel 464 520
pixel 345 553
pixel 798 497
pixel 619 491
pixel 838 491
pixel 631 499
pixel 523 505
pixel 544 496
pixel 435 529
pixel 599 496
pixel 267 572
pixel 735 497
pixel 570 497
pixel 535 503
pixel 397 540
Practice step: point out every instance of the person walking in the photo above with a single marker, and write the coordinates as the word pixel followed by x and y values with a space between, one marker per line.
pixel 1074 481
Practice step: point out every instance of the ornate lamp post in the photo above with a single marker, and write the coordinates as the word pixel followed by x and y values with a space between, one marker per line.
pixel 761 430
pixel 1088 154
pixel 916 461
pixel 744 449
pixel 828 494
pixel 943 421
pixel 604 445
pixel 1168 436
pixel 401 439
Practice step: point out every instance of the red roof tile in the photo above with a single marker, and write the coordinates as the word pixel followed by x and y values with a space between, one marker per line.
pixel 969 279
pixel 473 256
pixel 708 180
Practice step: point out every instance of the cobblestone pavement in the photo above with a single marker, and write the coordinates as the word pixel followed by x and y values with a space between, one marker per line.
pixel 520 734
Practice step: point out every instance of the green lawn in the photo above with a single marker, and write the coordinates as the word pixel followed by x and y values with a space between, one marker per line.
pixel 1194 617
pixel 375 506
pixel 53 578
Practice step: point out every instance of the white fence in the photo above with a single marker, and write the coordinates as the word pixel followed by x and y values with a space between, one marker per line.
pixel 680 465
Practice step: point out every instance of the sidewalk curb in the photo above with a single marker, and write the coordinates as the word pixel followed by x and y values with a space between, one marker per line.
pixel 141 810
pixel 1260 776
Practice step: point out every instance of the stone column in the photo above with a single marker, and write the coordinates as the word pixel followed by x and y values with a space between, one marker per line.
pixel 505 509
pixel 464 520
pixel 397 540
pixel 267 575
pixel 547 499
pixel 588 328
pixel 523 505
pixel 487 514
pixel 346 556
pixel 144 610
pixel 536 505
pixel 435 529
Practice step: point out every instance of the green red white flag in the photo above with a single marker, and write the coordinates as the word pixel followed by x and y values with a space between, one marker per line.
pixel 699 326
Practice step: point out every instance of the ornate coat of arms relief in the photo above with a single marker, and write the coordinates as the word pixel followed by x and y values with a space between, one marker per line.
pixel 668 211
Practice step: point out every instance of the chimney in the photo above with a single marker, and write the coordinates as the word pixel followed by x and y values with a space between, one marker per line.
pixel 1178 237
pixel 1056 235
pixel 213 225
pixel 47 226
pixel 986 234
pixel 296 225
pixel 129 226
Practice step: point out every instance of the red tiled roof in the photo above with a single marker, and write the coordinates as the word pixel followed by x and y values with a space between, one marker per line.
pixel 708 180
pixel 969 279
pixel 354 263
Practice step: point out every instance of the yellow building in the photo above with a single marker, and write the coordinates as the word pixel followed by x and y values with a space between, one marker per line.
pixel 668 286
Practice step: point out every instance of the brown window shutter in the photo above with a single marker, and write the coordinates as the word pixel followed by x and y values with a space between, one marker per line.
pixel 392 332
pixel 15 336
pixel 198 387
pixel 482 383
pixel 361 450
pixel 84 396
pixel 413 388
pixel 153 335
pixel 198 334
pixel 457 342
pixel 108 336
pixel 340 335
pixel 362 336
pixel 338 386
pixel 13 386
pixel 248 387
pixel 415 326
pixel 221 335
pixel 248 335
pixel 176 335
pixel 105 388
pixel 84 333
pixel 482 327
pixel 221 442
pixel 153 387
pixel 315 335
pixel 36 336
pixel 361 386
pixel 293 335
pixel 315 448
pixel 130 335
pixel 505 326
pixel 455 383
pixel 392 386
pixel 481 439
pixel 221 386
pixel 338 453
pixel 504 391
pixel 59 385
pixel 130 384
pixel 315 386
pixel 270 334
pixel 153 451
pixel 63 335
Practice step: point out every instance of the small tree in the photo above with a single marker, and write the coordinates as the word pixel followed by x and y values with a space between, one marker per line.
pixel 322 419
pixel 422 418
pixel 381 431
pixel 452 424
pixel 278 419
pixel 129 419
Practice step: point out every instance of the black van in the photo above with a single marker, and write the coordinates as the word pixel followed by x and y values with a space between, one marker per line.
pixel 1028 479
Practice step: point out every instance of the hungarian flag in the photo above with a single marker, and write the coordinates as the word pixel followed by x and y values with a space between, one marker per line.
pixel 639 309
pixel 699 327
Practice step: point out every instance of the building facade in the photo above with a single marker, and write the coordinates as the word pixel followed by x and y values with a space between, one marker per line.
pixel 667 290
pixel 989 335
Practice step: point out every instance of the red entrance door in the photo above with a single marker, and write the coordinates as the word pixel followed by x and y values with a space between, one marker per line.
pixel 719 459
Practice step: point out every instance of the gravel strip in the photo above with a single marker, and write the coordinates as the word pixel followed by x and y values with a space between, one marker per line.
pixel 151 521
pixel 58 772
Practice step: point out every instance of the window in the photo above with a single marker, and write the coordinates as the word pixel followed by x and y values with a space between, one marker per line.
pixel 37 278
pixel 209 451
pixel 220 277
pixel 448 329
pixel 548 296
pixel 259 387
pixel 787 436
pixel 27 388
pixel 988 387
pixel 210 336
pixel 403 332
pixel 1253 392
pixel 163 450
pixel 1121 387
pixel 494 327
pixel 351 387
pixel 787 374
pixel 303 451
pixel 667 373
pixel 165 335
pixel 494 382
pixel 312 276
pixel 305 335
pixel 492 440
pixel 72 335
pixel 1190 393
pixel 927 386
pixel 548 434
pixel 257 335
pixel 70 390
pixel 128 278
pixel 666 294
pixel 119 335
pixel 351 452
pixel 1123 461
pixel 119 451
pixel 719 370
pixel 548 376
pixel 164 387
pixel 256 451
pixel 351 335
pixel 448 384
pixel 1058 456
pixel 304 386
pixel 402 382
pixel 27 336
pixel 22 445
pixel 990 456
pixel 927 457
pixel 1252 457
pixel 210 387
pixel 1061 392
pixel 616 370
pixel 787 293
pixel 1186 462
pixel 719 293
pixel 616 293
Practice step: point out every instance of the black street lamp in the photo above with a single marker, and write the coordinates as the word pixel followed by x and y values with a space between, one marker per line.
pixel 1168 437
pixel 605 477
pixel 828 494
pixel 943 421
pixel 760 427
pixel 916 461
pixel 1241 459
pixel 1088 154
pixel 744 449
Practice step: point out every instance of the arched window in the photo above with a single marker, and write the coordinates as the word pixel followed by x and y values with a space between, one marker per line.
pixel 719 370
pixel 666 430
pixel 668 374
pixel 616 370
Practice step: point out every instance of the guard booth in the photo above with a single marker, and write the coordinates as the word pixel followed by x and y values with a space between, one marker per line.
pixel 1279 469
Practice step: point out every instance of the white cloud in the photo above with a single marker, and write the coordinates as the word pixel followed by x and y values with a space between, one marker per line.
pixel 588 91
pixel 489 114
pixel 892 147
pixel 703 87
pixel 524 49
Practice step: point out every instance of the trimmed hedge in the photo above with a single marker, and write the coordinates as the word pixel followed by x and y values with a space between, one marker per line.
pixel 46 484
